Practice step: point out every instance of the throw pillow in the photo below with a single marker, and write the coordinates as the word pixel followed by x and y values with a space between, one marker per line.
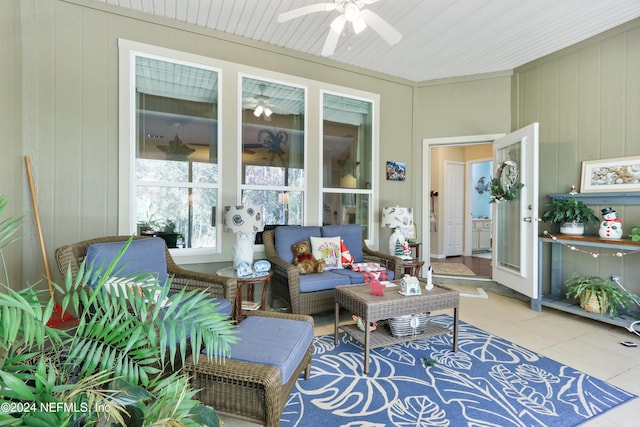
pixel 327 249
pixel 345 255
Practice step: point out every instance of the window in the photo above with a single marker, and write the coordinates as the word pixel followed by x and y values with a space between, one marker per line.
pixel 175 159
pixel 178 165
pixel 273 141
pixel 347 160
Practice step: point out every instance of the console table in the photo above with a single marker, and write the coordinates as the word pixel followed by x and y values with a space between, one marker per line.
pixel 556 298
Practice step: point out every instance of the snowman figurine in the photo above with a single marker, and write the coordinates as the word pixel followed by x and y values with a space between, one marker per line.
pixel 611 226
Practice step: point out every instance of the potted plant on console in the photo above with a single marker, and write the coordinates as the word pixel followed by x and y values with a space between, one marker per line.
pixel 571 214
pixel 596 294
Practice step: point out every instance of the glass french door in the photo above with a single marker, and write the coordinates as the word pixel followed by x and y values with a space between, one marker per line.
pixel 515 225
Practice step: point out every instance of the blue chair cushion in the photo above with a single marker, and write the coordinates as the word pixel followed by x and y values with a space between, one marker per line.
pixel 273 341
pixel 351 234
pixel 286 236
pixel 142 256
pixel 322 281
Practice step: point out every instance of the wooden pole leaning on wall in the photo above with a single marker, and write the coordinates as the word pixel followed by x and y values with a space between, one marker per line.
pixel 58 317
pixel 47 271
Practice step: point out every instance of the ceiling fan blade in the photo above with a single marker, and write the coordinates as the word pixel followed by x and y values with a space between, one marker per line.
pixel 296 13
pixel 381 26
pixel 335 31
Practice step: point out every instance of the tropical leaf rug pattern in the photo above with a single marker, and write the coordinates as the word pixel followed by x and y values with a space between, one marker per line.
pixel 489 381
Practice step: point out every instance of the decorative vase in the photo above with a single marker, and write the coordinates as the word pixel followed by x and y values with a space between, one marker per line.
pixel 572 228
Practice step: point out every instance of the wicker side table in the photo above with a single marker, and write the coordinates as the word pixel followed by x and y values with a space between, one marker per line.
pixel 412 267
pixel 359 301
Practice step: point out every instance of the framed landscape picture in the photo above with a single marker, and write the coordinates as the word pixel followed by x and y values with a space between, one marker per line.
pixel 396 171
pixel 611 175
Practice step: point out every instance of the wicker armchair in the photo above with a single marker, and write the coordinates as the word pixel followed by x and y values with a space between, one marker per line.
pixel 71 256
pixel 286 278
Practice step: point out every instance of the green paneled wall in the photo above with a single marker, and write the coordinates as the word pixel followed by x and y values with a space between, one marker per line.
pixel 587 100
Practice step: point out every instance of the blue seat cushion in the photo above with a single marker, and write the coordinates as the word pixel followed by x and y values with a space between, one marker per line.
pixel 286 236
pixel 273 341
pixel 322 281
pixel 142 256
pixel 351 234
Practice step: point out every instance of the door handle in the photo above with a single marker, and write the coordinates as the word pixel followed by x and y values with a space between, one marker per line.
pixel 529 219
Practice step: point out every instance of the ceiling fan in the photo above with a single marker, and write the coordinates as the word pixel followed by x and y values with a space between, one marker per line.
pixel 350 11
pixel 260 104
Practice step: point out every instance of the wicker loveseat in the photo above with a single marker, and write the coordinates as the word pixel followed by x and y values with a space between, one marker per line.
pixel 314 293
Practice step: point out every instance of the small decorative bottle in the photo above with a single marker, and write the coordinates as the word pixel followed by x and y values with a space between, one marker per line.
pixel 429 285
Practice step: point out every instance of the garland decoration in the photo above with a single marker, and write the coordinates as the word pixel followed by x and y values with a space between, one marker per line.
pixel 505 186
pixel 618 254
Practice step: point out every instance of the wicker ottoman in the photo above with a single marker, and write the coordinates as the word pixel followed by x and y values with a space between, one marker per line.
pixel 255 383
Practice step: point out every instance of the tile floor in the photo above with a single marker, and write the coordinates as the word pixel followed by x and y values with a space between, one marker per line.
pixel 584 344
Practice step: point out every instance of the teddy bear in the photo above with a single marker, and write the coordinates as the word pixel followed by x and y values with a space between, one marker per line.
pixel 304 259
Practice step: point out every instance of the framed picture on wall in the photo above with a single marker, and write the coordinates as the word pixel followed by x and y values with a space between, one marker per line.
pixel 396 171
pixel 611 175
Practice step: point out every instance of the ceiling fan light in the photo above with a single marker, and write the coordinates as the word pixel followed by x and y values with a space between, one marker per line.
pixel 351 12
pixel 258 111
pixel 267 111
pixel 358 25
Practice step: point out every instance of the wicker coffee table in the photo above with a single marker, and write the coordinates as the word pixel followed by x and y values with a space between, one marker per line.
pixel 359 301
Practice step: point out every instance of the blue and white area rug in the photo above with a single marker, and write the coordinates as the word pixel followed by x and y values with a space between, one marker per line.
pixel 489 381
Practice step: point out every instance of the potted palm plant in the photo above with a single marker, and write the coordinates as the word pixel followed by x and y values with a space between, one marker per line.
pixel 119 365
pixel 596 294
pixel 571 214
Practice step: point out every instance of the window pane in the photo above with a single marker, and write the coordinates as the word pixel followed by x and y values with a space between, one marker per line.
pixel 191 211
pixel 346 208
pixel 177 149
pixel 347 153
pixel 346 142
pixel 278 207
pixel 161 170
pixel 273 149
pixel 264 175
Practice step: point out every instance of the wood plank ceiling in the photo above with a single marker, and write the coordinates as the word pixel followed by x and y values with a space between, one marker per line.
pixel 440 38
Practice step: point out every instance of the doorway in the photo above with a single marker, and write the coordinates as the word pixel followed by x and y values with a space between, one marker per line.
pixel 438 156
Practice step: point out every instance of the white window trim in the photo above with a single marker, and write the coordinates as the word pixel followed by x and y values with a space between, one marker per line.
pixel 374 223
pixel 285 187
pixel 127 224
pixel 313 125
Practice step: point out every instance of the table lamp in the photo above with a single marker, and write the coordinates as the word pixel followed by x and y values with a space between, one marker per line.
pixel 397 218
pixel 245 221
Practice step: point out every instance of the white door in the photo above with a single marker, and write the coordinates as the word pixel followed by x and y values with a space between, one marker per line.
pixel 453 194
pixel 515 222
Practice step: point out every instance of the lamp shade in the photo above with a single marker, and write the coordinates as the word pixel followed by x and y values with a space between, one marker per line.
pixel 397 217
pixel 243 219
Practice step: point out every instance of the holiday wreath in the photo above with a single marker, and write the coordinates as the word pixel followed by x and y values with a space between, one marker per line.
pixel 505 186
